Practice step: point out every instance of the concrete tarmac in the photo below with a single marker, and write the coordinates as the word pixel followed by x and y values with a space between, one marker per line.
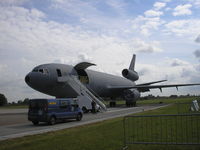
pixel 14 124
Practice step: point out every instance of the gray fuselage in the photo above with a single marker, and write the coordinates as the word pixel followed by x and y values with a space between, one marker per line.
pixel 44 78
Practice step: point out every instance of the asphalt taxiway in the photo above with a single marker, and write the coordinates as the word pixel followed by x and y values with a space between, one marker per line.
pixel 14 123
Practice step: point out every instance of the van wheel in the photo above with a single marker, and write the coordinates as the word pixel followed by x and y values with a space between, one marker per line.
pixel 52 120
pixel 79 117
pixel 35 122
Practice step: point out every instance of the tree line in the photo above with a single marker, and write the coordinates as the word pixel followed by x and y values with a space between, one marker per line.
pixel 4 101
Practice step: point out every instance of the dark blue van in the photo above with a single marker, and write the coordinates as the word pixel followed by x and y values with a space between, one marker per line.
pixel 51 110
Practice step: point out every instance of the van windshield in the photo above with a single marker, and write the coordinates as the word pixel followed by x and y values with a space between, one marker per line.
pixel 37 104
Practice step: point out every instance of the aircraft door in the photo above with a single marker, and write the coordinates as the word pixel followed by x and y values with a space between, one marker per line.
pixel 83 77
pixel 59 74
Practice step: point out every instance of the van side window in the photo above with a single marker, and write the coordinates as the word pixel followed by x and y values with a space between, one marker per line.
pixel 41 70
pixel 63 104
pixel 59 73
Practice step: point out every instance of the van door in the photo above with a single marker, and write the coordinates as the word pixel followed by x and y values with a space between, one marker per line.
pixel 63 108
pixel 74 110
pixel 66 109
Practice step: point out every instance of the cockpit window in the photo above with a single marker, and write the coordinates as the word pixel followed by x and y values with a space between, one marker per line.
pixel 35 70
pixel 43 71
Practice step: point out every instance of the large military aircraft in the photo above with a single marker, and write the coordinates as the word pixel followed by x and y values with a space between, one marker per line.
pixel 65 81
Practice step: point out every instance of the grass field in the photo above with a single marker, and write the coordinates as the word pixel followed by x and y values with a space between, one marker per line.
pixel 13 106
pixel 105 135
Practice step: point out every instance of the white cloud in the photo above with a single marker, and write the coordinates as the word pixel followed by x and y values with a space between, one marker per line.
pixel 159 5
pixel 151 21
pixel 153 13
pixel 189 27
pixel 145 47
pixel 182 10
pixel 146 25
pixel 168 9
pixel 177 62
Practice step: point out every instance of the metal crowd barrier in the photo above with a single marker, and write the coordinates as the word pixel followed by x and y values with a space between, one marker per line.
pixel 179 129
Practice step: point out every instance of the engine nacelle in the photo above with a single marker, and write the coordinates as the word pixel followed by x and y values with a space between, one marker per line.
pixel 130 74
pixel 131 95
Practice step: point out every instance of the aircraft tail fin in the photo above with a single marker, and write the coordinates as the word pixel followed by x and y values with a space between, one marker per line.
pixel 132 65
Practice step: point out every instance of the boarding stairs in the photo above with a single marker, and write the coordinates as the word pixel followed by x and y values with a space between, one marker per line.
pixel 82 90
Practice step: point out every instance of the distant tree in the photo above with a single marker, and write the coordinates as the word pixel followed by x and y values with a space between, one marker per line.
pixel 13 103
pixel 173 96
pixel 3 100
pixel 19 102
pixel 26 101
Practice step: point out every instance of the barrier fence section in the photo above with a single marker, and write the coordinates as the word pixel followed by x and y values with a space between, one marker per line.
pixel 179 129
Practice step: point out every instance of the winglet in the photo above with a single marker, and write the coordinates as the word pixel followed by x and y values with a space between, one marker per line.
pixel 132 65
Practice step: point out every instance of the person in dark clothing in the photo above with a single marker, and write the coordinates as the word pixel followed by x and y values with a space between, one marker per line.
pixel 93 107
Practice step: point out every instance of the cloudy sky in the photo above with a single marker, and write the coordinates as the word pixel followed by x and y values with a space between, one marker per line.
pixel 165 35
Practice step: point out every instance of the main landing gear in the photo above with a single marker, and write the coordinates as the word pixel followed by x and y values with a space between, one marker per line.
pixel 130 104
pixel 112 104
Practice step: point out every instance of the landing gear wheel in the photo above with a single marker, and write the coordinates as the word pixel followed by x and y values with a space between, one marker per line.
pixel 130 104
pixel 79 117
pixel 35 122
pixel 52 120
pixel 112 104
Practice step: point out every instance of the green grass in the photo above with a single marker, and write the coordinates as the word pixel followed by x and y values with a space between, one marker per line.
pixel 158 101
pixel 13 106
pixel 105 135
pixel 167 100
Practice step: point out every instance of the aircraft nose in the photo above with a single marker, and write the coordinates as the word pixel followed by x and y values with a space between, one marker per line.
pixel 27 79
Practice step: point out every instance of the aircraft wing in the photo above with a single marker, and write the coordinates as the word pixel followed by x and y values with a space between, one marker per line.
pixel 146 88
pixel 152 82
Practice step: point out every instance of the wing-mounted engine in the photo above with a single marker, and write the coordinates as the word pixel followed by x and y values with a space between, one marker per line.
pixel 130 74
pixel 131 96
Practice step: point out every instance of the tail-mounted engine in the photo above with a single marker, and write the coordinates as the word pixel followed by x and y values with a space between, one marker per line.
pixel 130 74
